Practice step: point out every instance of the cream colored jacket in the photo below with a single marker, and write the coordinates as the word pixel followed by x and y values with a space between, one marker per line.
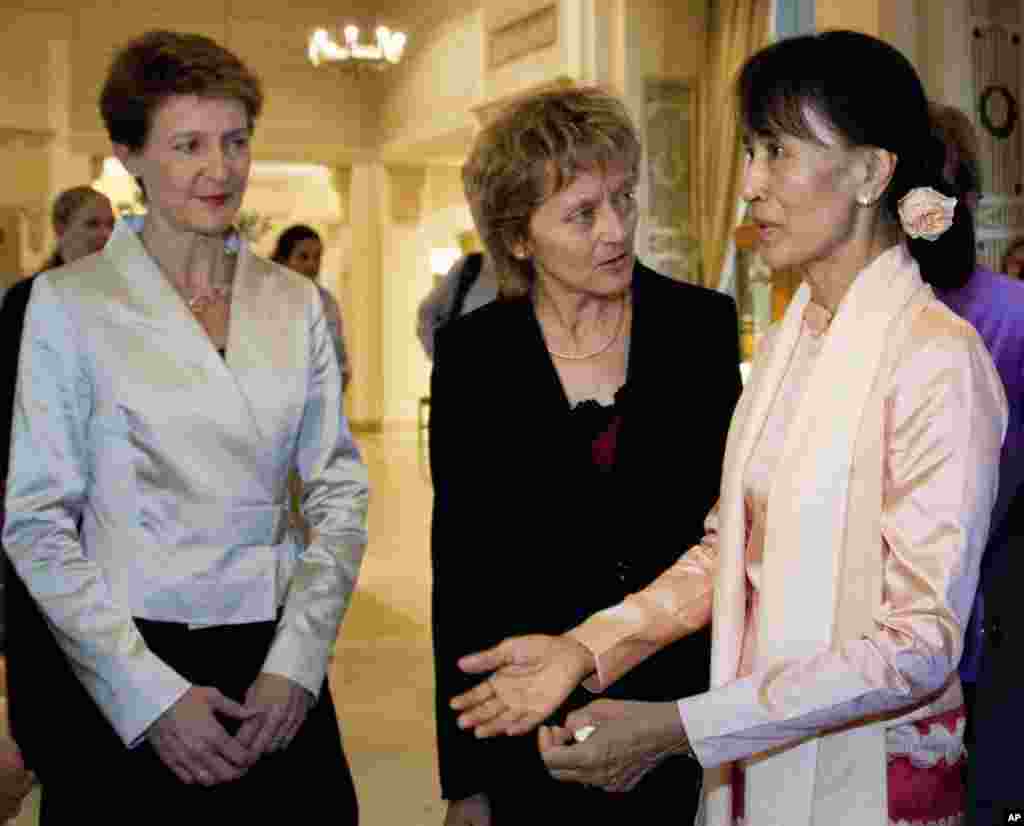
pixel 174 463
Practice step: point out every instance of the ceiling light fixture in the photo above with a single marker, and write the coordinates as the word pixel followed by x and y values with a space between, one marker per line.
pixel 385 52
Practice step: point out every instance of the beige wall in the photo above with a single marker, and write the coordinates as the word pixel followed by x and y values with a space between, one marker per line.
pixel 432 94
pixel 896 21
pixel 945 62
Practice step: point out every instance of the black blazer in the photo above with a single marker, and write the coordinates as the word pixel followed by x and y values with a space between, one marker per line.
pixel 527 539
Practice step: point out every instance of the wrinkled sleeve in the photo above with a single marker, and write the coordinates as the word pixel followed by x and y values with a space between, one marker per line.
pixel 47 488
pixel 677 603
pixel 945 420
pixel 334 504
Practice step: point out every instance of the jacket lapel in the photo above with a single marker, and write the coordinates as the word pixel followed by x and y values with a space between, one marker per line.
pixel 266 350
pixel 141 296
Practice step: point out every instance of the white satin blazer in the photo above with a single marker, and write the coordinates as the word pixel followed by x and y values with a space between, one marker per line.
pixel 174 462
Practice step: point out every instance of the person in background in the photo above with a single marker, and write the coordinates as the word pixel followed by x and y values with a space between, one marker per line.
pixel 169 657
pixel 570 455
pixel 300 249
pixel 468 285
pixel 82 220
pixel 994 304
pixel 839 566
pixel 1013 258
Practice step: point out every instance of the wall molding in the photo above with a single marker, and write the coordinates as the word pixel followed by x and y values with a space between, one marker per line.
pixel 515 39
pixel 16 138
pixel 341 180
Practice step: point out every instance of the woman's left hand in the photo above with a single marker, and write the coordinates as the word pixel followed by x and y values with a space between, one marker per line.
pixel 282 706
pixel 630 739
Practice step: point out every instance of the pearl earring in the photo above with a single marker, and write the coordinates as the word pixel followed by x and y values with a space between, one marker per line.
pixel 864 200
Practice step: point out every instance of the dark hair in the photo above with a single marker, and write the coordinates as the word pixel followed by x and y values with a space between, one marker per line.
pixel 287 240
pixel 870 95
pixel 534 147
pixel 161 64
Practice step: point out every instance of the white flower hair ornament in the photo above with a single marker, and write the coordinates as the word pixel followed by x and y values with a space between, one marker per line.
pixel 926 213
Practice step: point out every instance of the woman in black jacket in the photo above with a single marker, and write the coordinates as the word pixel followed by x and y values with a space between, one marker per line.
pixel 577 431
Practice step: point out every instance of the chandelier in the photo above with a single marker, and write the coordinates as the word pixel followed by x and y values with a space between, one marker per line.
pixel 385 52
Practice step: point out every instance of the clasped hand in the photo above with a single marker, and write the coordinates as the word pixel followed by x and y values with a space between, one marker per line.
pixel 533 675
pixel 192 743
pixel 629 739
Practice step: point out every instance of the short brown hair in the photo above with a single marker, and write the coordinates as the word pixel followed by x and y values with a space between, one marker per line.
pixel 535 147
pixel 160 64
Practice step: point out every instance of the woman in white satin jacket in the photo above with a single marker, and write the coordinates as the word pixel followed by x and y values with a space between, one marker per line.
pixel 157 417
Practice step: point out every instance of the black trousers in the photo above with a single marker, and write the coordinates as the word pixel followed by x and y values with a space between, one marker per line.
pixel 89 776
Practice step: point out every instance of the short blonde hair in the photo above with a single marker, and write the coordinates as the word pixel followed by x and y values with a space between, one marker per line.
pixel 533 148
pixel 70 201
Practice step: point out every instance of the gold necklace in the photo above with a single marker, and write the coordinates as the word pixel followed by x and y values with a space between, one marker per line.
pixel 603 348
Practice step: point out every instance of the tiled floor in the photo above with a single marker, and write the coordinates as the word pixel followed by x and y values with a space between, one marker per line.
pixel 382 675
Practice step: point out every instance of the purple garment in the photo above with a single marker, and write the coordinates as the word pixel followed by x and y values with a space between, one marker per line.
pixel 994 304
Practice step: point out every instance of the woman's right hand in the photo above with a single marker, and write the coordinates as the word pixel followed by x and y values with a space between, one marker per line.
pixel 532 677
pixel 192 743
pixel 470 811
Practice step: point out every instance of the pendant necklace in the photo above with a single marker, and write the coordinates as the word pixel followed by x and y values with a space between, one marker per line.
pixel 205 297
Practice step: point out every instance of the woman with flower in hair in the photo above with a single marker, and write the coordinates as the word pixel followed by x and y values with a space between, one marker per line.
pixel 840 563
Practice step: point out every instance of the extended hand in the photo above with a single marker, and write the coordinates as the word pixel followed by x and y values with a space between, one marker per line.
pixel 192 743
pixel 281 705
pixel 533 676
pixel 470 811
pixel 630 739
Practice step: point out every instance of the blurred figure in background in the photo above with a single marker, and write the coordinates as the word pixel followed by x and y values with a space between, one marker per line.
pixel 1013 260
pixel 82 221
pixel 299 248
pixel 994 304
pixel 468 285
